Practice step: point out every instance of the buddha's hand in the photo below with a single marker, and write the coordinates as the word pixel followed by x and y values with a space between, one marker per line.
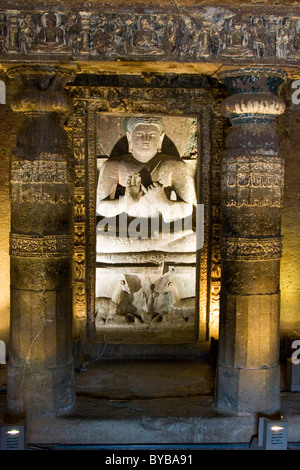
pixel 155 195
pixel 133 189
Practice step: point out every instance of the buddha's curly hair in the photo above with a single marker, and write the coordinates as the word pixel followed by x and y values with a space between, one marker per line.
pixel 131 122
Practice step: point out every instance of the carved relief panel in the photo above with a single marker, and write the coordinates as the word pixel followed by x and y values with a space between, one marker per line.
pixel 100 282
pixel 198 34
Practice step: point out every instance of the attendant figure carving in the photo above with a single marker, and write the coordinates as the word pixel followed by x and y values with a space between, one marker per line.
pixel 194 39
pixel 27 34
pixel 145 38
pixel 288 40
pixel 3 33
pixel 258 37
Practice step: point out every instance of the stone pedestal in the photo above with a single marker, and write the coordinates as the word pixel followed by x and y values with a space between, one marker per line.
pixel 40 368
pixel 248 375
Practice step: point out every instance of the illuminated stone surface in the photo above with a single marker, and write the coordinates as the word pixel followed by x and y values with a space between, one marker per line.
pixel 252 194
pixel 157 47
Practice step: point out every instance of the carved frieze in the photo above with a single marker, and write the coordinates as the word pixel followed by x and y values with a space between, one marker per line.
pixel 75 126
pixel 149 100
pixel 196 35
pixel 3 32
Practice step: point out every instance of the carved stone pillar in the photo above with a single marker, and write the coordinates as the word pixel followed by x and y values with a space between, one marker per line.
pixel 248 375
pixel 40 368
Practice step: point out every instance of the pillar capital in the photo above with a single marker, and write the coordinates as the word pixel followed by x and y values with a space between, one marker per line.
pixel 42 100
pixel 252 107
pixel 252 79
pixel 260 104
pixel 253 94
pixel 41 89
pixel 33 74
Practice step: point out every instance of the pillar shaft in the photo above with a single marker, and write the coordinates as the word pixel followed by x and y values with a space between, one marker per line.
pixel 248 378
pixel 40 368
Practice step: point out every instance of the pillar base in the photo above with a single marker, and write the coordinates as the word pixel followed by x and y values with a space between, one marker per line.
pixel 248 391
pixel 50 391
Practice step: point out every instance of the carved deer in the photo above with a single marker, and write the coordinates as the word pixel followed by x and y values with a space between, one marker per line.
pixel 107 309
pixel 173 304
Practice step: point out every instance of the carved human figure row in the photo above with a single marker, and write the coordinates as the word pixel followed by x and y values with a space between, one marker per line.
pixel 118 35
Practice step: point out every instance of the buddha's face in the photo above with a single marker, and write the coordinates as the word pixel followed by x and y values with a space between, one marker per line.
pixel 237 24
pixel 51 21
pixel 145 141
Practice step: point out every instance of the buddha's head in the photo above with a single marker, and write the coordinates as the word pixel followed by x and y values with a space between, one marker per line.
pixel 51 20
pixel 237 23
pixel 145 136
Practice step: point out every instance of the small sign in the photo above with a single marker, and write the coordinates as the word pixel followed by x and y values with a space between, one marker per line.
pixel 2 353
pixel 2 92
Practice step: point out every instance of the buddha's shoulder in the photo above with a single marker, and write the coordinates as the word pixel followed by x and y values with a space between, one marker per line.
pixel 119 160
pixel 171 161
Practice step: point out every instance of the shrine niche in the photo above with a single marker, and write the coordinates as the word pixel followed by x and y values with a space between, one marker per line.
pixel 126 281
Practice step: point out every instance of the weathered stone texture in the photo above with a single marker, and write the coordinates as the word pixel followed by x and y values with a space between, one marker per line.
pixel 252 184
pixel 41 248
pixel 10 123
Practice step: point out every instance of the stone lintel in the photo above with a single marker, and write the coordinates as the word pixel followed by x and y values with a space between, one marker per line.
pixel 119 34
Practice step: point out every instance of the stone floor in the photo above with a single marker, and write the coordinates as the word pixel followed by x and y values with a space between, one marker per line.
pixel 139 379
pixel 148 402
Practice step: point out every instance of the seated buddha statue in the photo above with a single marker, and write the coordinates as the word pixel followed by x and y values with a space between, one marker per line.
pixel 146 198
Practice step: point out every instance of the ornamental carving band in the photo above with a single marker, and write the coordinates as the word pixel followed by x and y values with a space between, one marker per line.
pixel 255 180
pixel 253 202
pixel 249 249
pixel 43 247
pixel 41 193
pixel 198 34
pixel 39 171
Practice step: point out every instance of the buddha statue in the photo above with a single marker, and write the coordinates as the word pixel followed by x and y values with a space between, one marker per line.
pixel 145 39
pixel 146 198
pixel 51 34
pixel 235 39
